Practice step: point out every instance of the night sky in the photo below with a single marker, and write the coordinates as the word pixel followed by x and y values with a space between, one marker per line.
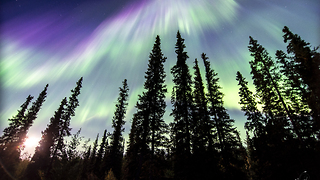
pixel 57 42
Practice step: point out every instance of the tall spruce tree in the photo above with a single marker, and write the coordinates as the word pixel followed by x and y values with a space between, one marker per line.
pixel 201 120
pixel 225 134
pixel 116 148
pixel 203 160
pixel 295 92
pixel 9 154
pixel 299 100
pixel 266 78
pixel 224 130
pixel 304 63
pixel 256 124
pixel 31 115
pixel 182 111
pixel 11 142
pixel 43 152
pixel 155 93
pixel 155 96
pixel 306 66
pixel 148 119
pixel 64 129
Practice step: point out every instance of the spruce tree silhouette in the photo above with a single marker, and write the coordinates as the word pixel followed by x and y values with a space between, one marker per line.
pixel 182 112
pixel 43 154
pixel 225 131
pixel 203 160
pixel 116 148
pixel 305 64
pixel 9 154
pixel 64 123
pixel 150 127
pixel 26 120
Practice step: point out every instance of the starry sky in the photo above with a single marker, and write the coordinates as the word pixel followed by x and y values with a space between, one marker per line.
pixel 103 41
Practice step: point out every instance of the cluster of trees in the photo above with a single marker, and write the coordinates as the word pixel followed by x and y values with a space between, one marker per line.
pixel 283 125
pixel 285 133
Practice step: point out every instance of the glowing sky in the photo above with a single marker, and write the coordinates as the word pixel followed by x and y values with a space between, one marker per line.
pixel 57 42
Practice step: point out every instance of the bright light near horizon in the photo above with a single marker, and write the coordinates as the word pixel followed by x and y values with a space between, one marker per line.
pixel 31 142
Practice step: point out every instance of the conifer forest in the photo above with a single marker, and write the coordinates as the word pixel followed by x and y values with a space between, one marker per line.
pixel 202 142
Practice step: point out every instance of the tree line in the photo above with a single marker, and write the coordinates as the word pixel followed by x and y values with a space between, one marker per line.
pixel 282 127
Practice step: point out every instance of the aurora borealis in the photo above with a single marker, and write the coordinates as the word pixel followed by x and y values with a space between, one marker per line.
pixel 57 42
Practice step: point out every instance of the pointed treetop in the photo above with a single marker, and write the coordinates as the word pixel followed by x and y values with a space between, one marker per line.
pixel 180 47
